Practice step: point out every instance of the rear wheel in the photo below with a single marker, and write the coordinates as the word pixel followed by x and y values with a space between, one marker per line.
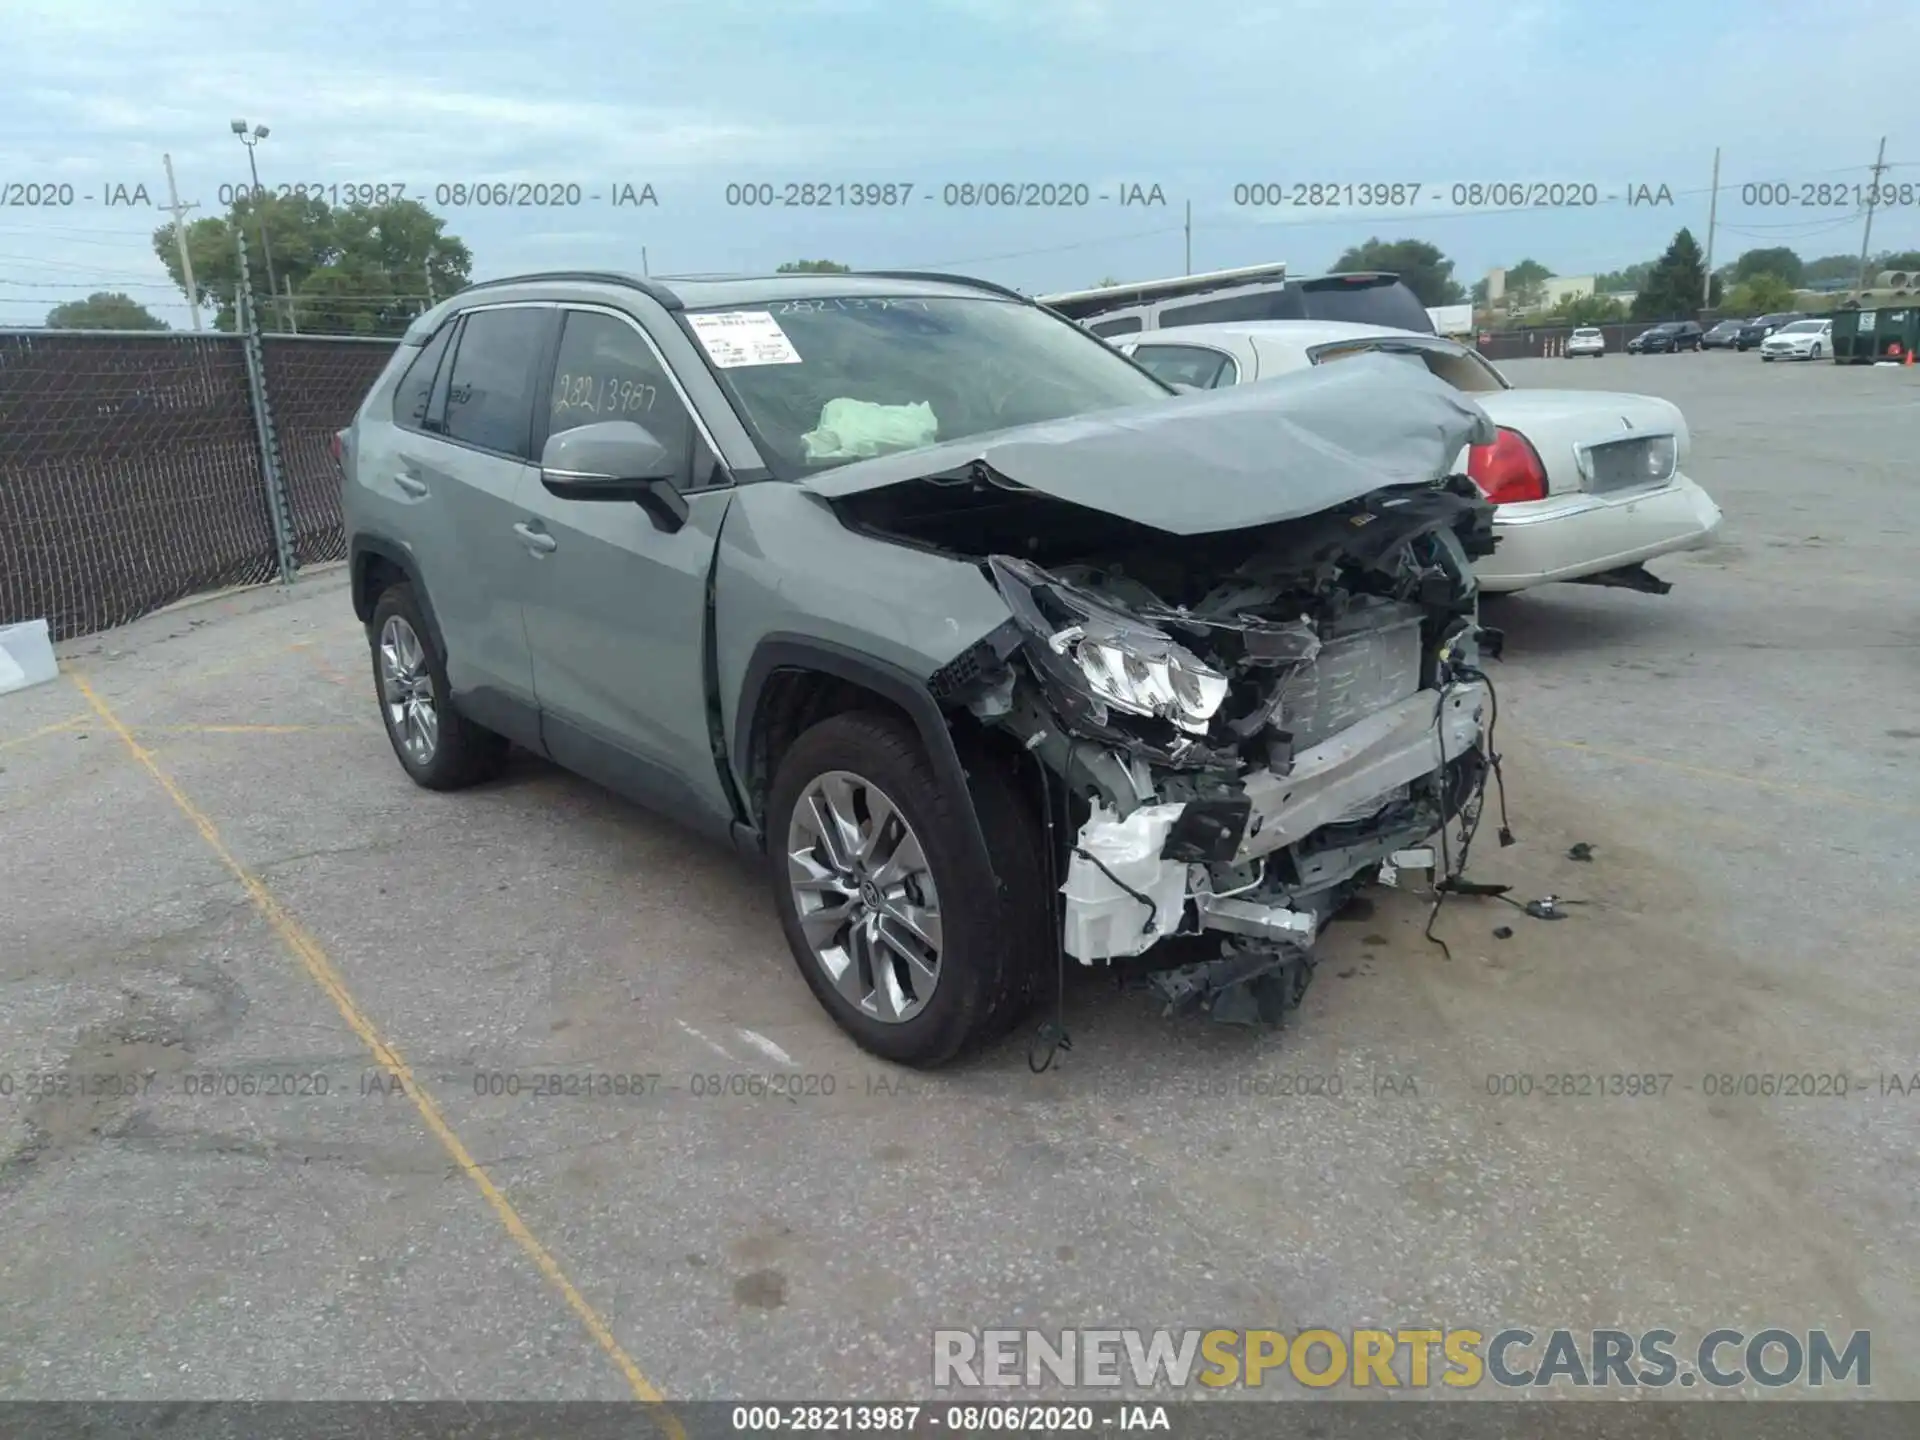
pixel 436 745
pixel 900 931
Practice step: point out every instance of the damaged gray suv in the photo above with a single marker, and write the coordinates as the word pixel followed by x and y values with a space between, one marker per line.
pixel 1000 649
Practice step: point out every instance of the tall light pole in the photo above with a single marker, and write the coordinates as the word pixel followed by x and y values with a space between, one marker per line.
pixel 251 138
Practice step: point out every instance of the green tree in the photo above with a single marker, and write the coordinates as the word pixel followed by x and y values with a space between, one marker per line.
pixel 1104 281
pixel 1589 310
pixel 354 270
pixel 1779 261
pixel 103 310
pixel 1829 268
pixel 814 267
pixel 1897 260
pixel 1675 288
pixel 1526 283
pixel 1420 266
pixel 1760 294
pixel 1478 294
pixel 1633 278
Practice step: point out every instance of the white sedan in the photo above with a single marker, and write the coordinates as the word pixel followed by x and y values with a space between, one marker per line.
pixel 1802 340
pixel 1588 485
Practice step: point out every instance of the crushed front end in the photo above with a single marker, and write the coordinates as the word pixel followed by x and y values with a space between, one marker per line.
pixel 1238 731
pixel 1242 652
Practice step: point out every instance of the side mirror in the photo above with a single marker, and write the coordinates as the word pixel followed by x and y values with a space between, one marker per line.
pixel 615 460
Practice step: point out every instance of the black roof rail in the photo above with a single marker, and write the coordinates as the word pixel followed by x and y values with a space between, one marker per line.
pixel 942 278
pixel 660 293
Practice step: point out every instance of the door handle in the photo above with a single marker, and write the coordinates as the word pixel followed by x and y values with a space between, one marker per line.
pixel 410 485
pixel 537 541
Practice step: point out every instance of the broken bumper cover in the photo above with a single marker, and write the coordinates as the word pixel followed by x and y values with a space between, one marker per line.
pixel 1124 896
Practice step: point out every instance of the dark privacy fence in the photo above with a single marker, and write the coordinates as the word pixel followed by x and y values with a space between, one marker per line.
pixel 137 470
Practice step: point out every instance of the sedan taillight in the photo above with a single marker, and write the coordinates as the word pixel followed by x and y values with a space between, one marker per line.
pixel 1509 470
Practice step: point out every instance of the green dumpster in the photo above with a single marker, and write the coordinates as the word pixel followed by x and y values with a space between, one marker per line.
pixel 1865 337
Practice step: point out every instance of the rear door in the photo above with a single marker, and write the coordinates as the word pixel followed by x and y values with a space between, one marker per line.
pixel 615 608
pixel 462 470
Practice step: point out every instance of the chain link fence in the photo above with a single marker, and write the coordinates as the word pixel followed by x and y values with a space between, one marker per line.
pixel 314 385
pixel 132 471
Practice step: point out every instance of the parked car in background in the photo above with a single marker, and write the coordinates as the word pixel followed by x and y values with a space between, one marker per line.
pixel 1800 340
pixel 1587 486
pixel 996 648
pixel 1667 338
pixel 1587 340
pixel 1722 336
pixel 1761 326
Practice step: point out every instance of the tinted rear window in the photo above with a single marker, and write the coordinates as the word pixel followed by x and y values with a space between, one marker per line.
pixel 490 399
pixel 1276 304
pixel 1391 304
pixel 416 386
pixel 1371 302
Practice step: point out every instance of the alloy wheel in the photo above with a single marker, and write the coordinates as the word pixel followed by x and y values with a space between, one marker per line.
pixel 864 896
pixel 406 691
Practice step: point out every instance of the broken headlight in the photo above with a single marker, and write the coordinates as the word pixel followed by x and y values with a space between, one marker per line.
pixel 1109 659
pixel 1145 674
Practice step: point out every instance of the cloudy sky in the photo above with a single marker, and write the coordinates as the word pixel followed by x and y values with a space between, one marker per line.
pixel 1196 97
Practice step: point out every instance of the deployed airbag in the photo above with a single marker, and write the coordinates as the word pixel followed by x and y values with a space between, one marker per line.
pixel 859 428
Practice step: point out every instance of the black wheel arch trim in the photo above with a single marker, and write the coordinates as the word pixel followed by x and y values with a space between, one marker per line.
pixel 365 547
pixel 781 651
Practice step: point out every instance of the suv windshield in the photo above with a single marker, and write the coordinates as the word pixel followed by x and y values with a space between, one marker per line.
pixel 867 375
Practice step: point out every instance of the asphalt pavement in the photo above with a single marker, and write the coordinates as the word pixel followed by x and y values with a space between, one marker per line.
pixel 631 1156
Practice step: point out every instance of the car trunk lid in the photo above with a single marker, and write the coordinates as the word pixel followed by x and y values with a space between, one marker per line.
pixel 1612 429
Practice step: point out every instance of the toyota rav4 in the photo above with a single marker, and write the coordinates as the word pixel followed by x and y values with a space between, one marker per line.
pixel 1001 650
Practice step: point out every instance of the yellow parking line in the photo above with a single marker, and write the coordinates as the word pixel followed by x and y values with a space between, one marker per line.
pixel 310 954
pixel 241 729
pixel 45 730
pixel 1791 787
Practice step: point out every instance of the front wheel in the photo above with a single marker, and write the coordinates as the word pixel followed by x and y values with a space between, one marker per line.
pixel 1814 353
pixel 899 929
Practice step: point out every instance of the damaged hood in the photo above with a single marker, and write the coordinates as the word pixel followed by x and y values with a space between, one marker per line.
pixel 1225 459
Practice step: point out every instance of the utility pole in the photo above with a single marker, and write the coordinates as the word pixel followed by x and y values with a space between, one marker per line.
pixel 178 211
pixel 643 261
pixel 1189 237
pixel 1873 196
pixel 293 322
pixel 1713 215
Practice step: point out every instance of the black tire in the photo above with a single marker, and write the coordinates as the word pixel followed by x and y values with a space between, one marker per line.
pixel 464 753
pixel 995 944
pixel 1814 352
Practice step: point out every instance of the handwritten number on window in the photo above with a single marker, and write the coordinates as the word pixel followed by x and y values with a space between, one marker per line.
pixel 602 396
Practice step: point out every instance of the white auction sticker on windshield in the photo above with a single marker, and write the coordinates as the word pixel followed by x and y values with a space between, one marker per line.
pixel 744 337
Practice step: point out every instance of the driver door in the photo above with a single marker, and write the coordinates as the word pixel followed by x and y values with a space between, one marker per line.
pixel 616 608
